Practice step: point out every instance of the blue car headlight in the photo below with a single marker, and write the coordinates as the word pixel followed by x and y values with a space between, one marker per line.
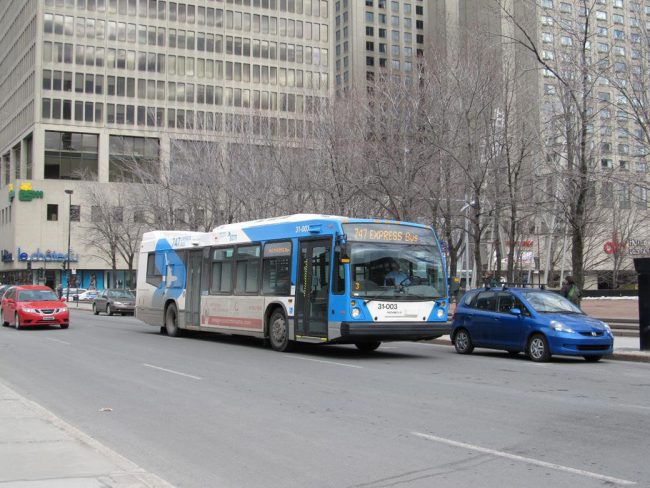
pixel 607 327
pixel 560 327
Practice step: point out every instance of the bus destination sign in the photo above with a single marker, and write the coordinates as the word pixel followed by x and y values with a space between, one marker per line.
pixel 390 233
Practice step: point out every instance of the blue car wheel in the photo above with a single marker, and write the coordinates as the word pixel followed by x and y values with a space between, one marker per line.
pixel 538 349
pixel 463 342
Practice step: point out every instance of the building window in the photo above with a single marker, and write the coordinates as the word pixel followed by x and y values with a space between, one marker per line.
pixel 75 213
pixel 96 213
pixel 52 212
pixel 71 156
pixel 132 158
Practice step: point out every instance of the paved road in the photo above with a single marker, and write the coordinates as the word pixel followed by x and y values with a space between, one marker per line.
pixel 214 411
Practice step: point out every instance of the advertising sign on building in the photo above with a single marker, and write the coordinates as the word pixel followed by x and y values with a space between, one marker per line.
pixel 47 256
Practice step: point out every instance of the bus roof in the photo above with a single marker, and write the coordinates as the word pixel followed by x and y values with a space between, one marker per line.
pixel 177 239
pixel 297 225
pixel 276 228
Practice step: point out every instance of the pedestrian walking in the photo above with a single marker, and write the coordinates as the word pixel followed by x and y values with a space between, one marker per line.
pixel 570 290
pixel 59 290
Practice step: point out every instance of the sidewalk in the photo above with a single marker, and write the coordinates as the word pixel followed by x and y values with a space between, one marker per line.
pixel 39 450
pixel 611 308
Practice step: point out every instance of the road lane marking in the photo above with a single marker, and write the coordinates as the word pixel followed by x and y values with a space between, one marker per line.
pixel 172 371
pixel 629 405
pixel 322 361
pixel 59 341
pixel 527 460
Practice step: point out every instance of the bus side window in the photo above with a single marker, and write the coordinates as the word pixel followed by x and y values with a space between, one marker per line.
pixel 338 281
pixel 222 270
pixel 276 269
pixel 154 277
pixel 248 264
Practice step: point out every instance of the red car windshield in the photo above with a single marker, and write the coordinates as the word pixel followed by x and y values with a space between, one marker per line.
pixel 36 296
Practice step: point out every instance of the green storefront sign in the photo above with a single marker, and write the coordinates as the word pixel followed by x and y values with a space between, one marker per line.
pixel 25 193
pixel 29 195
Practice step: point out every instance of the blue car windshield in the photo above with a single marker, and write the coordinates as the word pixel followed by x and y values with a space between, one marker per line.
pixel 545 302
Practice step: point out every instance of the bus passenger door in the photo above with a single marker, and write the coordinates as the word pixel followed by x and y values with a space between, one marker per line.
pixel 312 296
pixel 193 288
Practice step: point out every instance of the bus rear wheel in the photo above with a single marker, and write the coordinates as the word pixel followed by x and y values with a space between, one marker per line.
pixel 279 332
pixel 368 346
pixel 171 321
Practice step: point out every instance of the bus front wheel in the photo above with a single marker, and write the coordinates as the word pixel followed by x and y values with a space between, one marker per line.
pixel 171 321
pixel 279 332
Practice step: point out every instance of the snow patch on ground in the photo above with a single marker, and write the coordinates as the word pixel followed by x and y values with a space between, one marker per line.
pixel 610 298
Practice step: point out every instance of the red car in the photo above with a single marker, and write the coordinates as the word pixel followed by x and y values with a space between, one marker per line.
pixel 33 305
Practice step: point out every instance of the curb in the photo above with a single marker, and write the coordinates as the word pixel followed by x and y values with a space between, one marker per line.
pixel 631 356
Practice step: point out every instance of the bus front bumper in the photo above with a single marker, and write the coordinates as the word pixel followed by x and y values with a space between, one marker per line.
pixel 392 331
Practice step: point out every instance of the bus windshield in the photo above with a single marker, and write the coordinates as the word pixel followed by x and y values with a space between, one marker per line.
pixel 396 271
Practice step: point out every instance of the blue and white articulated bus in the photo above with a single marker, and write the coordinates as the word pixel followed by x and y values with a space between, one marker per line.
pixel 300 278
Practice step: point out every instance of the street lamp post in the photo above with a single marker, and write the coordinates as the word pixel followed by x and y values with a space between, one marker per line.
pixel 69 192
pixel 466 256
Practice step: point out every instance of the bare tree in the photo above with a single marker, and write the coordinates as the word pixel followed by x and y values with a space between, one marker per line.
pixel 572 69
pixel 112 233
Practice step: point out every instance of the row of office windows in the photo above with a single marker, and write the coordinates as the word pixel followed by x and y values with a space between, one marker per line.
pixel 407 8
pixel 90 28
pixel 144 89
pixel 142 116
pixel 88 111
pixel 100 57
pixel 624 165
pixel 623 194
pixel 600 30
pixel 187 13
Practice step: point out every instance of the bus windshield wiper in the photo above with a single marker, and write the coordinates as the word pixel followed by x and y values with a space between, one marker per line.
pixel 376 297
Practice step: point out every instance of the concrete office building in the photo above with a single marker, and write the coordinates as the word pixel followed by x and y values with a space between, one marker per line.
pixel 618 35
pixel 377 36
pixel 85 82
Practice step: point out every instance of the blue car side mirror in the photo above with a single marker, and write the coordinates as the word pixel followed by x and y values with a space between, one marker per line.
pixel 515 311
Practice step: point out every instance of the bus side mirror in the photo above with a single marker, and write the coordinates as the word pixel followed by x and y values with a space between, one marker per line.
pixel 345 253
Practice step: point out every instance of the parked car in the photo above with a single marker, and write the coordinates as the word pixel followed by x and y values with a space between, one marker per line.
pixel 531 320
pixel 74 292
pixel 114 301
pixel 33 305
pixel 88 295
pixel 3 289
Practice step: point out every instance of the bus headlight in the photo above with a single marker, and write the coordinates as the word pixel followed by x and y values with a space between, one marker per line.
pixel 440 313
pixel 356 313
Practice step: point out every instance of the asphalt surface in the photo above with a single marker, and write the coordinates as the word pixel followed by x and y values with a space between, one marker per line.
pixel 217 411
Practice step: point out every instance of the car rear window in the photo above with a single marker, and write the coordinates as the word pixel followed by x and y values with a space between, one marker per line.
pixel 124 295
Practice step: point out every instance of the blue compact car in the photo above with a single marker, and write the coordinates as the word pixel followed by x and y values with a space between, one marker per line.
pixel 538 322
